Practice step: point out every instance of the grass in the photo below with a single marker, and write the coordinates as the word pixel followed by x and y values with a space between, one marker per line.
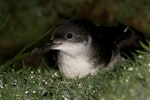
pixel 129 81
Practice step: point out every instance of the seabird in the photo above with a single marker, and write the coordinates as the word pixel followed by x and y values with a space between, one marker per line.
pixel 79 48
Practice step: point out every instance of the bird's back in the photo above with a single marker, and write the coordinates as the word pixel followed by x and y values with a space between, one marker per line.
pixel 123 38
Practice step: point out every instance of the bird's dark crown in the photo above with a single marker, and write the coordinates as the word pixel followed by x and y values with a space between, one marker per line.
pixel 73 31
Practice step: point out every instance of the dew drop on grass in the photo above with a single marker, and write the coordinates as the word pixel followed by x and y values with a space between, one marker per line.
pixel 56 74
pixel 94 91
pixel 148 64
pixel 26 92
pixel 1 84
pixel 140 75
pixel 46 82
pixel 34 91
pixel 39 71
pixel 126 80
pixel 32 76
pixel 33 81
pixel 43 81
pixel 32 72
pixel 140 56
pixel 79 85
pixel 149 70
pixel 130 69
pixel 103 99
pixel 65 98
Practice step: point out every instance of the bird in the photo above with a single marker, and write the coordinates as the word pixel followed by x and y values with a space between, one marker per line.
pixel 79 48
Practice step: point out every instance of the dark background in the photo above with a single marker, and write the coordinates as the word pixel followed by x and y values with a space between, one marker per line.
pixel 28 20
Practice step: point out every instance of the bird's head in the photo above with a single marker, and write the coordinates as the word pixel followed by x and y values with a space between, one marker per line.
pixel 72 36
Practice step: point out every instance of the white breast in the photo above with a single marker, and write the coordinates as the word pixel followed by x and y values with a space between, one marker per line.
pixel 73 67
pixel 81 66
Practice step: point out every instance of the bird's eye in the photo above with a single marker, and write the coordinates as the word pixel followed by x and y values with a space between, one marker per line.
pixel 69 35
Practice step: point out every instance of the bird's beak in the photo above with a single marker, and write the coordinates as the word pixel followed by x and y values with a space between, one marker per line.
pixel 44 48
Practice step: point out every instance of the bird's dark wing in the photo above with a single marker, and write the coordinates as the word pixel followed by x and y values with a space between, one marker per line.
pixel 128 41
pixel 51 58
pixel 109 41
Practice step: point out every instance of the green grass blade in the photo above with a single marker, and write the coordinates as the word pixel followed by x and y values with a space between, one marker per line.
pixel 21 54
pixel 5 22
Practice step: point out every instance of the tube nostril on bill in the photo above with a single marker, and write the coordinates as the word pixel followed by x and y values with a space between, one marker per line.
pixel 49 43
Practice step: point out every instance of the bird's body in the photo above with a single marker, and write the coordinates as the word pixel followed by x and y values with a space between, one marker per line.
pixel 79 48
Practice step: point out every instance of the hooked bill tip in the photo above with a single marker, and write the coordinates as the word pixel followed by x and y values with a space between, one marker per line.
pixel 35 51
pixel 44 48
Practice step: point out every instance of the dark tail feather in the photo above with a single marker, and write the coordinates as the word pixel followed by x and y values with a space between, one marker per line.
pixel 129 41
